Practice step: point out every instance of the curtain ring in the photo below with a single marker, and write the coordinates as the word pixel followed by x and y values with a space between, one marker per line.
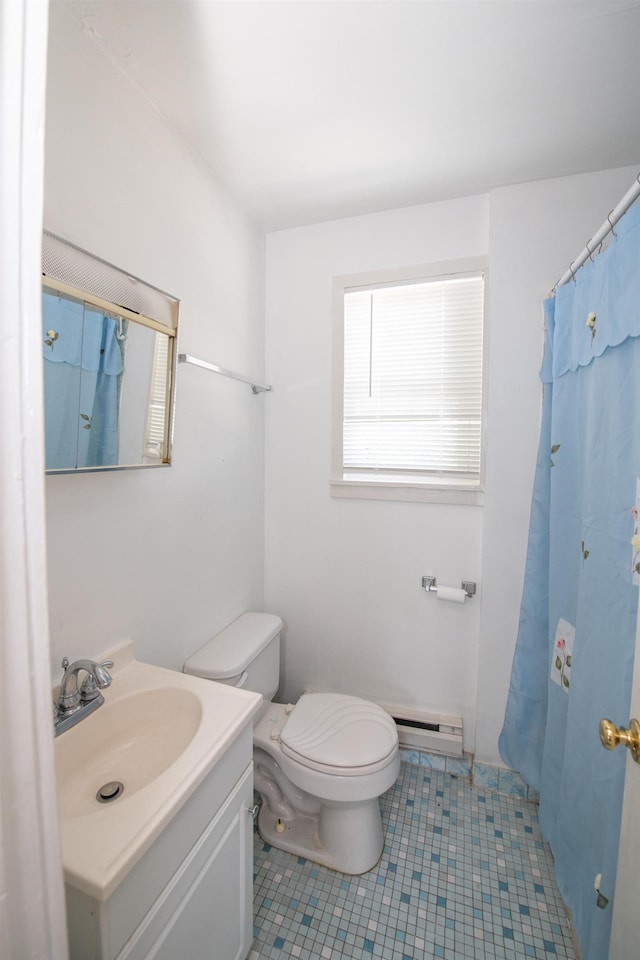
pixel 610 224
pixel 588 248
pixel 573 276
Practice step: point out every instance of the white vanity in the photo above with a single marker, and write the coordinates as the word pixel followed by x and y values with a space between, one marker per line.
pixel 165 869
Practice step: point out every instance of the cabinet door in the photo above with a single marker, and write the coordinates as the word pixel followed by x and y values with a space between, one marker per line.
pixel 211 917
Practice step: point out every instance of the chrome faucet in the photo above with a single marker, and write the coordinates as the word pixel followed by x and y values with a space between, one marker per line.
pixel 73 703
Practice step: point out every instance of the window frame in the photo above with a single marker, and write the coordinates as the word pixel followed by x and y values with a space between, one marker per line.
pixel 426 489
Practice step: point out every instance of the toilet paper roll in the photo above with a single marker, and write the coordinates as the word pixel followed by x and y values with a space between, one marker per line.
pixel 451 594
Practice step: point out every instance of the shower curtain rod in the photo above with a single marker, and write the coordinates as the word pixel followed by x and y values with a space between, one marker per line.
pixel 586 253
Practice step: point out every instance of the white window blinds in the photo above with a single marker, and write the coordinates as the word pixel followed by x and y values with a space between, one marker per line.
pixel 156 435
pixel 413 381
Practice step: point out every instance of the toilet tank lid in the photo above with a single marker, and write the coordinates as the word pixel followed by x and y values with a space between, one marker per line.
pixel 232 650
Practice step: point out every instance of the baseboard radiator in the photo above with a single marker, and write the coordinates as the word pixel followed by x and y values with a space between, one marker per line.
pixel 420 730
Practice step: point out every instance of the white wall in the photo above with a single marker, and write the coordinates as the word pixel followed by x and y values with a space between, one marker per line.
pixel 167 556
pixel 345 574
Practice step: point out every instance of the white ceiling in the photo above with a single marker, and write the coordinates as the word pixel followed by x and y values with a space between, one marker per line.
pixel 310 110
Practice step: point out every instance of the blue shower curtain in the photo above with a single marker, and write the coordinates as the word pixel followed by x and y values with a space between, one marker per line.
pixel 574 654
pixel 83 366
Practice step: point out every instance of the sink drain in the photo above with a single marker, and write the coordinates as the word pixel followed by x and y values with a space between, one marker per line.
pixel 110 791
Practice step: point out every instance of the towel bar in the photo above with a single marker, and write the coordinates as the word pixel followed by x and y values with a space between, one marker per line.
pixel 214 368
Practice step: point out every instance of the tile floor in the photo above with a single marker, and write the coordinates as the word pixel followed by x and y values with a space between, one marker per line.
pixel 465 873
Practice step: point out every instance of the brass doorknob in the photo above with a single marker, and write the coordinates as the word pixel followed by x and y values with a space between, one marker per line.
pixel 611 736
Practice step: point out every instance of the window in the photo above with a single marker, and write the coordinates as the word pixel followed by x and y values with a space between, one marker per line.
pixel 409 398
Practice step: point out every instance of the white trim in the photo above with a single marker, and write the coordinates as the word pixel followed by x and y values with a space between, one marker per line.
pixel 367 490
pixel 435 491
pixel 32 916
pixel 439 269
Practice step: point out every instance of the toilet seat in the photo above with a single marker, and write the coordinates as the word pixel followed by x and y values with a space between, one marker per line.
pixel 339 735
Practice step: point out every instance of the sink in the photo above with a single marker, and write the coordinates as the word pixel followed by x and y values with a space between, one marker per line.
pixel 131 740
pixel 159 733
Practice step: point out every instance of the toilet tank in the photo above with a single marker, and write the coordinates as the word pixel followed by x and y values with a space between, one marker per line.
pixel 244 654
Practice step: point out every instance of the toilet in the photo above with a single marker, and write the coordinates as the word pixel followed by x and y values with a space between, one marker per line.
pixel 320 764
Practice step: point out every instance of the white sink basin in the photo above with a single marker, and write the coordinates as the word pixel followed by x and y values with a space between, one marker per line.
pixel 131 740
pixel 159 733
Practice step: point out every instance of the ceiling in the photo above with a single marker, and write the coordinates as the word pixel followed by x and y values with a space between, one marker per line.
pixel 311 110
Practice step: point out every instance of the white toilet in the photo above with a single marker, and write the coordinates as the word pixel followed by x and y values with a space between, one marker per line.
pixel 320 765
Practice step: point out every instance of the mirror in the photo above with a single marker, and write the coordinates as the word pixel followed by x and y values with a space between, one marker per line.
pixel 107 384
pixel 108 349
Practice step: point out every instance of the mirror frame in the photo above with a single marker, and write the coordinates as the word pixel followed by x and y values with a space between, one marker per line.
pixel 56 285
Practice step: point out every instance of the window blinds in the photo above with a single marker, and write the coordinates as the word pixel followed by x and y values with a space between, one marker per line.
pixel 156 434
pixel 413 380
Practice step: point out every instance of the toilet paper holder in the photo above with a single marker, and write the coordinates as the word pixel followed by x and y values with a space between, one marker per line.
pixel 430 584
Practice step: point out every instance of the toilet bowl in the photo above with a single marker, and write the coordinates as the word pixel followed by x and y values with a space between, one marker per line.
pixel 320 765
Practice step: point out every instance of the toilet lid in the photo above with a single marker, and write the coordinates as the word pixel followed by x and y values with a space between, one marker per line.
pixel 331 730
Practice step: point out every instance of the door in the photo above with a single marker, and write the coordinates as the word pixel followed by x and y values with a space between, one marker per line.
pixel 625 932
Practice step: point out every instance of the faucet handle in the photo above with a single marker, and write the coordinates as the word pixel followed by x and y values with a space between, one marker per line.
pixel 102 674
pixel 95 681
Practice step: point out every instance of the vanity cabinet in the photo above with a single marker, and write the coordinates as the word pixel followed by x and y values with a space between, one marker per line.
pixel 190 895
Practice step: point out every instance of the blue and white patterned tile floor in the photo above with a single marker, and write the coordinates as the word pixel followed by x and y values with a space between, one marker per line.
pixel 465 873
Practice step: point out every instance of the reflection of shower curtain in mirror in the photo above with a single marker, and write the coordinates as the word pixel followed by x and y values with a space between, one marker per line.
pixel 82 376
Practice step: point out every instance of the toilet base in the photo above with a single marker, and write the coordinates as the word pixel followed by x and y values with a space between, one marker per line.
pixel 330 819
pixel 346 837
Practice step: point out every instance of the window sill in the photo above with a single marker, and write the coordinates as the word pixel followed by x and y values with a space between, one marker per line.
pixel 410 492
